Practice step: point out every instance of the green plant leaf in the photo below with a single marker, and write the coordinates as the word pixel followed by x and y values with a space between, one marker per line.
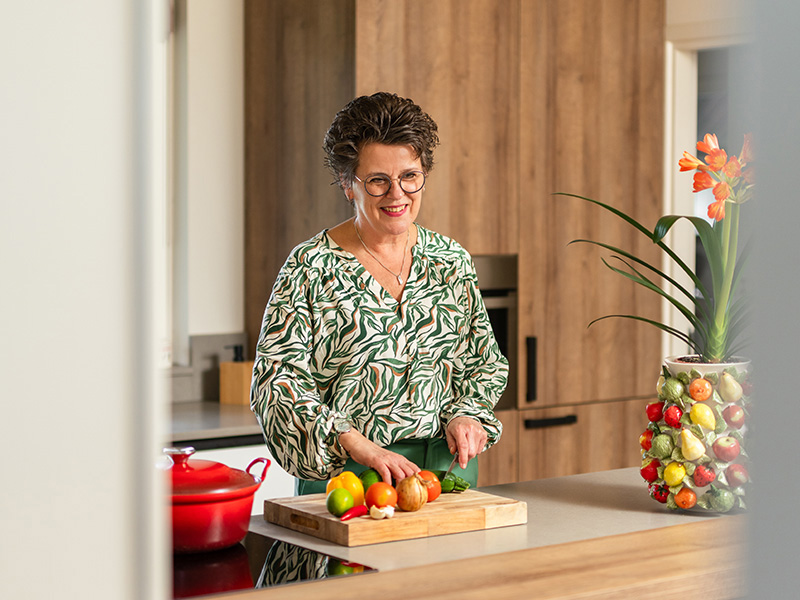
pixel 670 330
pixel 708 238
pixel 635 258
pixel 637 277
pixel 718 318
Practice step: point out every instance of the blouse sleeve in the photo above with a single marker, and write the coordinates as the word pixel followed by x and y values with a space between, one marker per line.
pixel 284 397
pixel 480 371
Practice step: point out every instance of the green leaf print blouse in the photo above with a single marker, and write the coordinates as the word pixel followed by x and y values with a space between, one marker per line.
pixel 335 343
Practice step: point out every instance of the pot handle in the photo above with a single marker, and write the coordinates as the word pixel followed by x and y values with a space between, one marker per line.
pixel 266 462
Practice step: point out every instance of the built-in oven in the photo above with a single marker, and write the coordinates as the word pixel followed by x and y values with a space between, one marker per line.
pixel 497 278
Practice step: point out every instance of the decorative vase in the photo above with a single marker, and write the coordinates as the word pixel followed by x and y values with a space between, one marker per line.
pixel 694 453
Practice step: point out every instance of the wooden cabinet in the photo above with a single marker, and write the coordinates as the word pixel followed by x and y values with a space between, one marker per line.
pixel 565 440
pixel 532 97
pixel 591 124
pixel 591 437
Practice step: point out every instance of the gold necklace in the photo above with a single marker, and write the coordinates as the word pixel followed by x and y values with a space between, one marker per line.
pixel 399 275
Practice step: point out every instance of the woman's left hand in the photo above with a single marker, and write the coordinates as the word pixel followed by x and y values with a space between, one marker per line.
pixel 467 436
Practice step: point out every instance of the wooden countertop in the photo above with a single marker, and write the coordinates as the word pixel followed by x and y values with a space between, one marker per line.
pixel 596 535
pixel 702 560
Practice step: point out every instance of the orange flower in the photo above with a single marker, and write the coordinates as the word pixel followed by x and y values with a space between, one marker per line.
pixel 746 154
pixel 722 191
pixel 708 144
pixel 733 167
pixel 690 163
pixel 749 176
pixel 716 210
pixel 716 159
pixel 702 181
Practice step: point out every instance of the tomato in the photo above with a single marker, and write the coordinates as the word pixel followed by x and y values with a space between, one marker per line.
pixel 381 494
pixel 349 481
pixel 435 488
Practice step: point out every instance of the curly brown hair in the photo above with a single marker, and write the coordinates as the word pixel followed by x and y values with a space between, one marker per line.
pixel 383 118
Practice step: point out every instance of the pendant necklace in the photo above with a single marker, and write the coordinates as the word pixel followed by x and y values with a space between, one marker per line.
pixel 399 275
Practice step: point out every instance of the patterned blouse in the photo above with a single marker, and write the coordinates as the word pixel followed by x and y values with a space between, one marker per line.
pixel 334 343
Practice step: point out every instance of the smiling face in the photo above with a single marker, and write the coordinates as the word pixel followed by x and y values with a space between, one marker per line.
pixel 392 214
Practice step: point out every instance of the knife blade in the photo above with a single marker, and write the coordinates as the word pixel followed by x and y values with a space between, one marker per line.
pixel 452 465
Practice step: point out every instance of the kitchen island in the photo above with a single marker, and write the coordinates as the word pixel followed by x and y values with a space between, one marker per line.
pixel 595 535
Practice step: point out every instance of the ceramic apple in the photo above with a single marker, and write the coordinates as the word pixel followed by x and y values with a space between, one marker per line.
pixel 734 416
pixel 655 411
pixel 737 475
pixel 726 448
pixel 672 417
pixel 649 470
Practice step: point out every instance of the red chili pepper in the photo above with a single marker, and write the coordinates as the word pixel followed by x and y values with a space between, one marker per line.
pixel 356 511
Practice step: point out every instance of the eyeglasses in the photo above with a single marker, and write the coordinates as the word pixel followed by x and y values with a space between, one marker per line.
pixel 379 185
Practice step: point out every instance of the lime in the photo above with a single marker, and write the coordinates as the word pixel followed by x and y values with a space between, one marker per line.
pixel 336 567
pixel 368 477
pixel 339 501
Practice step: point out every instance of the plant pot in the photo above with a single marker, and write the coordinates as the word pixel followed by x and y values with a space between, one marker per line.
pixel 694 450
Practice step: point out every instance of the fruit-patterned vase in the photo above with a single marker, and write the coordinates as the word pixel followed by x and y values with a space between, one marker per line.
pixel 694 450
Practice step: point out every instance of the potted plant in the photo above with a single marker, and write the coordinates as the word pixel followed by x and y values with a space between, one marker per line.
pixel 693 450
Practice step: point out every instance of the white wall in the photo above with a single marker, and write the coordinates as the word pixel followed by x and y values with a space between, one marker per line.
pixel 691 26
pixel 80 500
pixel 209 217
pixel 707 24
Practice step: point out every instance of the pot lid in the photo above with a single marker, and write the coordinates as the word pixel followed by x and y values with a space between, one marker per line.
pixel 196 477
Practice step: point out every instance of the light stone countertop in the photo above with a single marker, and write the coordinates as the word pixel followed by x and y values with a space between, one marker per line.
pixel 560 510
pixel 211 420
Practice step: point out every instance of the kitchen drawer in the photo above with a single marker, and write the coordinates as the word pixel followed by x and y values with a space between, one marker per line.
pixel 580 439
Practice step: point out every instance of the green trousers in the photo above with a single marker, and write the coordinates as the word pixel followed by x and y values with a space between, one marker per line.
pixel 426 454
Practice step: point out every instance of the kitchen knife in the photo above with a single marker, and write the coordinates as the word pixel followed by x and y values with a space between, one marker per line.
pixel 452 465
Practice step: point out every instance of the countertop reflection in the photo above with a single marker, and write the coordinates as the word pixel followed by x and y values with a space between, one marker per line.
pixel 257 562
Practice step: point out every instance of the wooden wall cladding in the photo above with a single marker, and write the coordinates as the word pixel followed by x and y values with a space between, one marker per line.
pixel 299 60
pixel 459 60
pixel 591 124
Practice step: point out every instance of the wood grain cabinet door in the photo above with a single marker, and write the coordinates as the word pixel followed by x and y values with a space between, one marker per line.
pixel 580 439
pixel 591 124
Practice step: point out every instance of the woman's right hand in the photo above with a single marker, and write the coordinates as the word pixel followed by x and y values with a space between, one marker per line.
pixel 388 464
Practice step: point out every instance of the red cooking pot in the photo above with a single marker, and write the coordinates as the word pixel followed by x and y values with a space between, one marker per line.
pixel 211 503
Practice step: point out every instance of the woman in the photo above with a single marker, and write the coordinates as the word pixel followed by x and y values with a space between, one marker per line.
pixel 375 348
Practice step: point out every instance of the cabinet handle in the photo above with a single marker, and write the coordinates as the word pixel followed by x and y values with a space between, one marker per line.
pixel 552 422
pixel 530 392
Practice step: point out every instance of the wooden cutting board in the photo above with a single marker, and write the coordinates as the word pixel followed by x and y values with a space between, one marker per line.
pixel 449 513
